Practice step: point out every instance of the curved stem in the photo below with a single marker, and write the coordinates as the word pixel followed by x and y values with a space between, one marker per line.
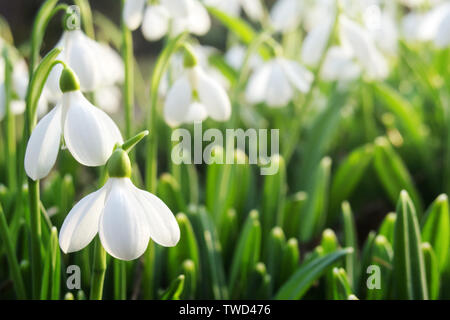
pixel 127 55
pixel 152 142
pixel 10 130
pixel 45 14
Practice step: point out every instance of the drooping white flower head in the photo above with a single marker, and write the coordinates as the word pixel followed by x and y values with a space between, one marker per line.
pixel 196 95
pixel 96 65
pixel 124 216
pixel 286 15
pixel 88 132
pixel 252 8
pixel 315 43
pixel 174 16
pixel 19 87
pixel 275 82
pixel 362 44
pixel 435 25
pixel 235 57
pixel 339 65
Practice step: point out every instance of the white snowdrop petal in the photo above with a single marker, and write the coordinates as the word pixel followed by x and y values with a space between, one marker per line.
pixel 286 14
pixel 279 91
pixel 255 91
pixel 299 76
pixel 18 106
pixel 108 98
pixel 213 97
pixel 163 226
pixel 81 57
pixel 177 8
pixel 363 47
pixel 199 21
pixel 52 84
pixel 315 43
pixel 81 224
pixel 442 38
pixel 196 113
pixel 178 100
pixel 155 23
pixel 110 64
pixel 253 9
pixel 43 145
pixel 123 227
pixel 90 134
pixel 132 13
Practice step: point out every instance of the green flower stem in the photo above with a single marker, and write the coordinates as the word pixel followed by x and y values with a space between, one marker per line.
pixel 10 128
pixel 14 268
pixel 98 271
pixel 301 108
pixel 45 14
pixel 34 91
pixel 86 20
pixel 120 280
pixel 128 94
pixel 243 74
pixel 152 145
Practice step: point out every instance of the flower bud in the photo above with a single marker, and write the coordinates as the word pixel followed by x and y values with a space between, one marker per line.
pixel 190 59
pixel 119 165
pixel 68 80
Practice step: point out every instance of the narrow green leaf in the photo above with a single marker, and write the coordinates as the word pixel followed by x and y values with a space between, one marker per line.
pixel 378 286
pixel 387 227
pixel 275 250
pixel 341 285
pixel 258 283
pixel 290 260
pixel 247 254
pixel 409 270
pixel 274 194
pixel 190 280
pixel 435 229
pixel 307 273
pixel 393 173
pixel 314 215
pixel 348 175
pixel 175 289
pixel 292 213
pixel 350 240
pixel 187 248
pixel 169 191
pixel 431 270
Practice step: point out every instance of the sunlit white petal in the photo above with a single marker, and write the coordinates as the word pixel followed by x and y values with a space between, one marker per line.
pixel 90 134
pixel 123 230
pixel 43 145
pixel 156 22
pixel 132 13
pixel 177 102
pixel 81 224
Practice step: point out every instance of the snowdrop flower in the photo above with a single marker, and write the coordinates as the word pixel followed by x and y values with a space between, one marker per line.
pixel 235 58
pixel 88 132
pixel 124 216
pixel 275 81
pixel 435 26
pixel 195 95
pixel 175 16
pixel 252 8
pixel 96 65
pixel 286 15
pixel 339 65
pixel 383 28
pixel 315 43
pixel 19 86
pixel 362 44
